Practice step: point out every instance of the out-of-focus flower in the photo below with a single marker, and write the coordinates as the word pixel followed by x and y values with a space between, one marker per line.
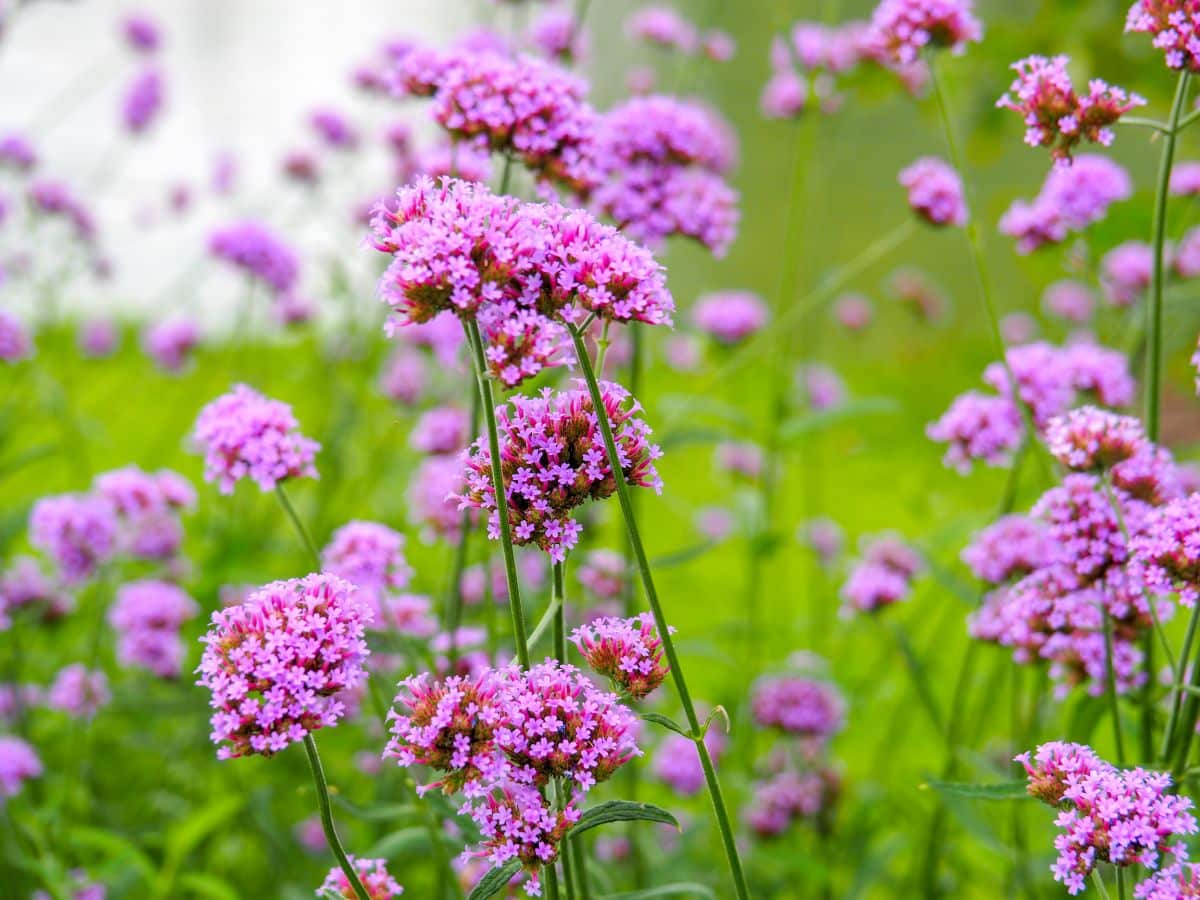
pixel 15 342
pixel 663 27
pixel 1126 272
pixel 628 652
pixel 1070 301
pixel 334 129
pixel 143 100
pixel 98 338
pixel 170 343
pixel 371 557
pixel 853 311
pixel 902 29
pixel 821 387
pixel 1071 198
pixel 605 573
pixel 1175 25
pixel 148 615
pixel 19 763
pixel 259 252
pixel 730 316
pixel 677 765
pixel 1185 179
pixel 78 691
pixel 141 32
pixel 77 531
pixel 935 192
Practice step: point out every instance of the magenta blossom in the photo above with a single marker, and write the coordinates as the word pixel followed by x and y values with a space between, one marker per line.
pixel 79 532
pixel 935 192
pixel 730 316
pixel 373 875
pixel 628 652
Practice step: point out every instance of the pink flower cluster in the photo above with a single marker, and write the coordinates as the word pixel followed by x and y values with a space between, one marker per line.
pixel 143 100
pixel 435 484
pixel 902 29
pixel 730 316
pixel 1175 882
pixel 659 167
pixel 1126 271
pixel 15 342
pixel 19 762
pixel 554 460
pixel 371 557
pixel 499 736
pixel 1093 440
pixel 790 796
pixel 1058 118
pixel 78 691
pixel 148 615
pixel 79 532
pixel 170 342
pixel 804 708
pixel 372 873
pixel 935 192
pixel 883 575
pixel 276 663
pixel 1175 25
pixel 23 585
pixel 605 573
pixel 259 252
pixel 1125 817
pixel 1166 549
pixel 628 652
pixel 1068 300
pixel 1071 198
pixel 147 507
pixel 246 435
pixel 676 762
pixel 1008 549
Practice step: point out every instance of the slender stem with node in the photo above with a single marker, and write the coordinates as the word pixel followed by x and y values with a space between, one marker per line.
pixel 331 835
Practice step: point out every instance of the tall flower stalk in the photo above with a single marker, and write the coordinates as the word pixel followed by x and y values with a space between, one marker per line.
pixel 696 729
pixel 331 835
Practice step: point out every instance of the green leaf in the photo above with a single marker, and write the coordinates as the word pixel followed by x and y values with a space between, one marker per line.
pixel 1085 717
pixel 184 837
pixel 868 406
pixel 114 848
pixel 399 842
pixel 622 811
pixel 668 723
pixel 544 623
pixel 208 886
pixel 679 557
pixel 1003 790
pixel 679 889
pixel 496 879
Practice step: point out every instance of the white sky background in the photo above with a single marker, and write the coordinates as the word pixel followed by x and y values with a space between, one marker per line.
pixel 242 75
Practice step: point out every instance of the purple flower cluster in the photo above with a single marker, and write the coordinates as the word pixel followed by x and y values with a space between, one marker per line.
pixel 1185 179
pixel 1071 198
pixel 143 100
pixel 804 708
pixel 1125 817
pixel 1058 118
pixel 23 585
pixel 902 29
pixel 15 343
pixel 334 130
pixel 54 199
pixel 730 316
pixel 935 192
pixel 371 557
pixel 147 508
pixel 628 652
pixel 1126 272
pixel 170 342
pixel 142 33
pixel 501 735
pixel 259 253
pixel 790 796
pixel 824 537
pixel 1093 440
pixel 78 532
pixel 276 663
pixel 19 762
pixel 78 692
pixel 1175 25
pixel 605 573
pixel 17 153
pixel 1175 882
pixel 440 430
pixel 978 426
pixel 148 615
pixel 554 460
pixel 1008 549
pixel 663 27
pixel 246 435
pixel 883 575
pixel 659 170
pixel 1070 301
pixel 1166 549
pixel 372 873
pixel 677 764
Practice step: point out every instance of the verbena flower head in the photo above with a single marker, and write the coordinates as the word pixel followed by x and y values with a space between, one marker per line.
pixel 676 762
pixel 660 164
pixel 259 253
pixel 19 762
pixel 147 616
pixel 442 429
pixel 432 493
pixel 147 508
pixel 526 107
pixel 1055 767
pixel 247 435
pixel 333 129
pixel 141 32
pixel 1093 440
pixel 1071 198
pixel 1054 115
pixel 824 536
pixel 1070 301
pixel 1186 257
pixel 78 532
pixel 1011 548
pixel 978 427
pixel 553 459
pixel 1175 25
pixel 143 100
pixel 788 796
pixel 902 29
pixel 404 378
pixel 730 316
pixel 558 724
pixel 1176 882
pixel 1124 817
pixel 935 192
pixel 1185 179
pixel 628 652
pixel 170 343
pixel 1126 271
pixel 23 585
pixel 802 707
pixel 15 343
pixel 556 36
pixel 604 573
pixel 99 338
pixel 276 663
pixel 54 199
pixel 16 152
pixel 820 387
pixel 372 873
pixel 663 27
pixel 1080 518
pixel 516 822
pixel 371 557
pixel 78 692
pixel 1166 549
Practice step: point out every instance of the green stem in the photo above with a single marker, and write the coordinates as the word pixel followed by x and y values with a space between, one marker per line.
pixel 602 345
pixel 1121 882
pixel 331 835
pixel 454 598
pixel 1099 883
pixel 305 538
pixel 580 862
pixel 1177 700
pixel 551 874
pixel 486 399
pixel 559 599
pixel 1154 309
pixel 660 619
pixel 975 244
pixel 1111 689
pixel 1139 122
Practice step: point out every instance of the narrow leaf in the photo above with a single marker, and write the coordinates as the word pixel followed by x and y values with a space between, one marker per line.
pixel 668 723
pixel 718 710
pixel 496 879
pixel 622 811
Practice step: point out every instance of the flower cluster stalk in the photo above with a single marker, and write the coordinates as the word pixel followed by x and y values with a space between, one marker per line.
pixel 331 835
